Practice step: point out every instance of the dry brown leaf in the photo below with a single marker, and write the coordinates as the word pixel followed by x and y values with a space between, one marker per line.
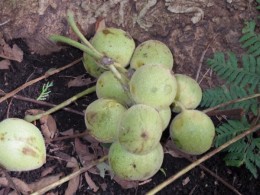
pixel 185 181
pixel 48 123
pixel 83 152
pixel 91 183
pixel 103 186
pixel 100 24
pixel 79 81
pixel 47 171
pixel 45 181
pixel 20 185
pixel 126 184
pixel 4 64
pixel 14 53
pixel 68 132
pixel 73 184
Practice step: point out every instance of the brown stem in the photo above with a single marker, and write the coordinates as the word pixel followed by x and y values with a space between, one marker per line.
pixel 202 159
pixel 232 102
pixel 46 75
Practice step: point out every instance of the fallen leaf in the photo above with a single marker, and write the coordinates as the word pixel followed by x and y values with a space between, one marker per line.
pixel 68 132
pixel 126 184
pixel 73 184
pixel 185 181
pixel 83 152
pixel 20 185
pixel 45 181
pixel 79 81
pixel 48 123
pixel 100 24
pixel 47 171
pixel 171 149
pixel 91 183
pixel 103 186
pixel 14 53
pixel 4 64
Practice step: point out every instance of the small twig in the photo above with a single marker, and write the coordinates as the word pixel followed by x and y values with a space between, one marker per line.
pixel 19 97
pixel 70 136
pixel 202 159
pixel 232 102
pixel 69 177
pixel 216 176
pixel 46 75
pixel 31 118
pixel 5 22
pixel 8 108
pixel 202 57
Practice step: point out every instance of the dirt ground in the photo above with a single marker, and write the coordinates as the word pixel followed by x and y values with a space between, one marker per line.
pixel 220 29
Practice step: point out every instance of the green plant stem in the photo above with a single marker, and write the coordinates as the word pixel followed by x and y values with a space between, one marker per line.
pixel 72 23
pixel 31 118
pixel 63 39
pixel 202 159
pixel 232 102
pixel 69 177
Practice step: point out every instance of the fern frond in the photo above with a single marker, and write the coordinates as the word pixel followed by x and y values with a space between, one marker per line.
pixel 228 69
pixel 218 95
pixel 250 40
pixel 228 130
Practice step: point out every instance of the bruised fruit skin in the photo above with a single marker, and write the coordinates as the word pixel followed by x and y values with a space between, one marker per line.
pixel 114 43
pixel 165 114
pixel 140 129
pixel 102 117
pixel 109 87
pixel 152 52
pixel 153 85
pixel 91 66
pixel 189 93
pixel 132 167
pixel 192 132
pixel 22 146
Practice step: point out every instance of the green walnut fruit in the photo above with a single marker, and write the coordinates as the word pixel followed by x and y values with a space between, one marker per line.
pixel 165 114
pixel 102 118
pixel 153 85
pixel 192 132
pixel 152 52
pixel 22 145
pixel 108 86
pixel 129 166
pixel 189 93
pixel 91 66
pixel 140 129
pixel 114 43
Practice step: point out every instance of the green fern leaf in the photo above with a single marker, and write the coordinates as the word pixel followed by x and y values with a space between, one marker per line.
pixel 235 159
pixel 247 75
pixel 228 130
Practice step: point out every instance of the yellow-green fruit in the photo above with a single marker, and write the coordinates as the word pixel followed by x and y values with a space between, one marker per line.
pixel 114 43
pixel 91 66
pixel 152 52
pixel 153 85
pixel 108 86
pixel 102 118
pixel 192 132
pixel 165 114
pixel 129 166
pixel 189 93
pixel 140 129
pixel 22 145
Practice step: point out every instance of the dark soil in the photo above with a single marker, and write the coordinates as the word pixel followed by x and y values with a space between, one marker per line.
pixel 33 66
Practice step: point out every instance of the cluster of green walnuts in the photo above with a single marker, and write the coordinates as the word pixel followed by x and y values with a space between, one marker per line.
pixel 135 104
